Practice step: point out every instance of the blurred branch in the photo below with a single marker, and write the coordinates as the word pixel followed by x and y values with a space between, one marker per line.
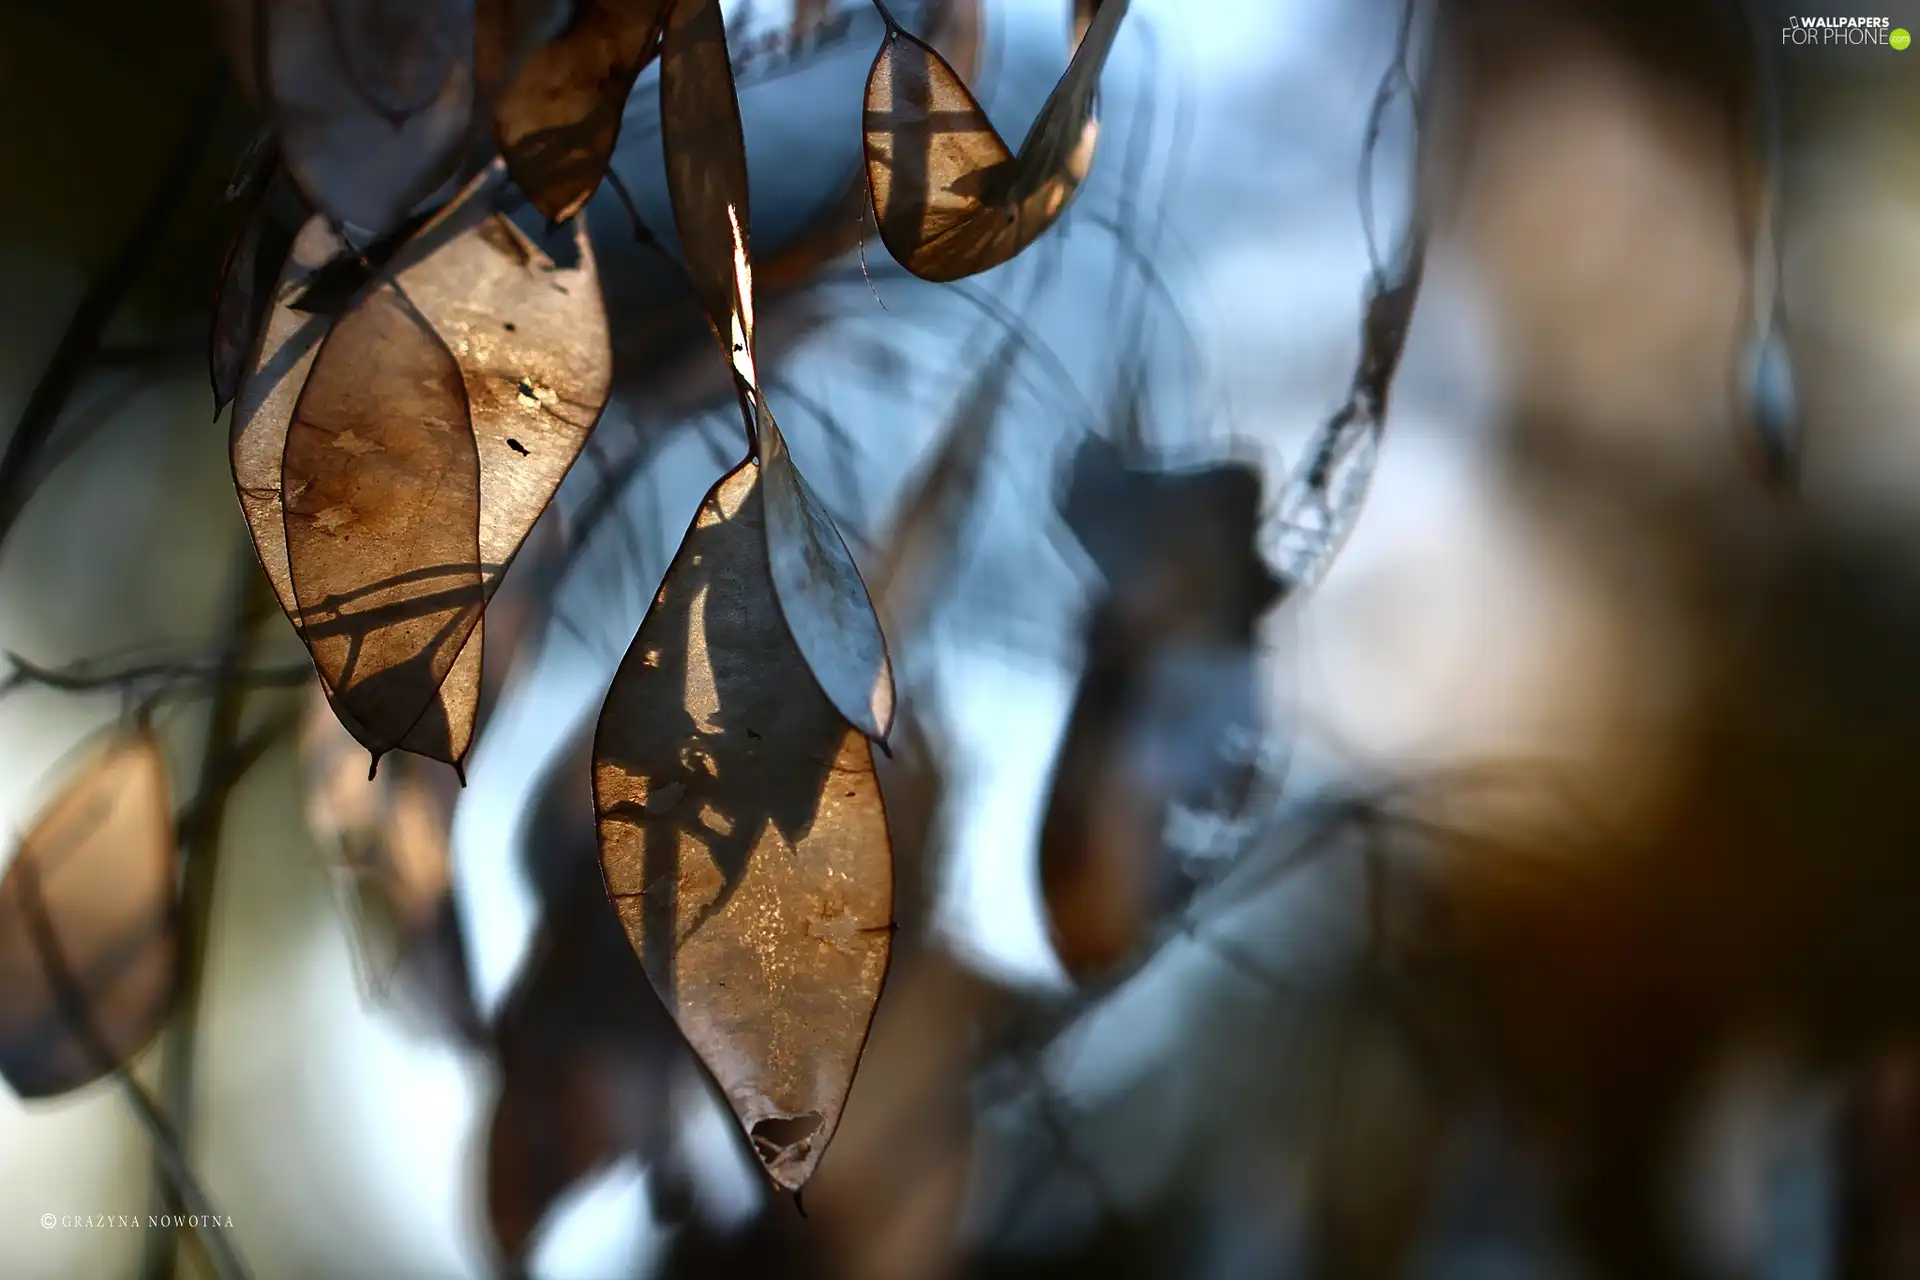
pixel 80 678
pixel 81 343
pixel 168 1152
pixel 224 760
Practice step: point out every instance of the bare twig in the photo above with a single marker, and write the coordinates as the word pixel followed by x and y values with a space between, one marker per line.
pixel 80 344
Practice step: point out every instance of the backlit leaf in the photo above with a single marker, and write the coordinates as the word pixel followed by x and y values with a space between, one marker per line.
pixel 949 197
pixel 381 485
pixel 86 924
pixel 560 119
pixel 744 840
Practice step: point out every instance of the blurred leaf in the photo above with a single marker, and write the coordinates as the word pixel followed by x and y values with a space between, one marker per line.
pixel 355 161
pixel 950 199
pixel 1771 403
pixel 820 592
pixel 381 485
pixel 744 840
pixel 1165 700
pixel 87 912
pixel 389 837
pixel 560 119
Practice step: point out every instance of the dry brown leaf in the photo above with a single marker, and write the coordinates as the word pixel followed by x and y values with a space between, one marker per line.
pixel 383 545
pixel 744 840
pixel 530 336
pixel 87 912
pixel 949 197
pixel 559 121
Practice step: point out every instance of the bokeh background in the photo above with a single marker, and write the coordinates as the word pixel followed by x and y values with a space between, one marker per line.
pixel 1562 916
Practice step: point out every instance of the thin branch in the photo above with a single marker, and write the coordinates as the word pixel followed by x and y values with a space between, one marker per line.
pixel 168 1151
pixel 224 760
pixel 80 344
pixel 172 677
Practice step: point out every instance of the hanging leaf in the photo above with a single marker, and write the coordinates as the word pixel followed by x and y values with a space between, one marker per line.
pixel 820 592
pixel 819 588
pixel 86 924
pixel 352 157
pixel 381 484
pixel 743 838
pixel 949 197
pixel 530 336
pixel 560 119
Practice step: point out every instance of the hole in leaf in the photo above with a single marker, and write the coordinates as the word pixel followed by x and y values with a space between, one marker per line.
pixel 777 1135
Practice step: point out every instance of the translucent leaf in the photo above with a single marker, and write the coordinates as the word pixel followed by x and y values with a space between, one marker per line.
pixel 381 486
pixel 86 924
pixel 744 840
pixel 949 197
pixel 530 335
pixel 559 121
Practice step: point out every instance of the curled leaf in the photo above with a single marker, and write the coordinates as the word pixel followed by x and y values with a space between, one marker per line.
pixel 381 484
pixel 86 924
pixel 949 197
pixel 559 121
pixel 1166 703
pixel 706 160
pixel 743 838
